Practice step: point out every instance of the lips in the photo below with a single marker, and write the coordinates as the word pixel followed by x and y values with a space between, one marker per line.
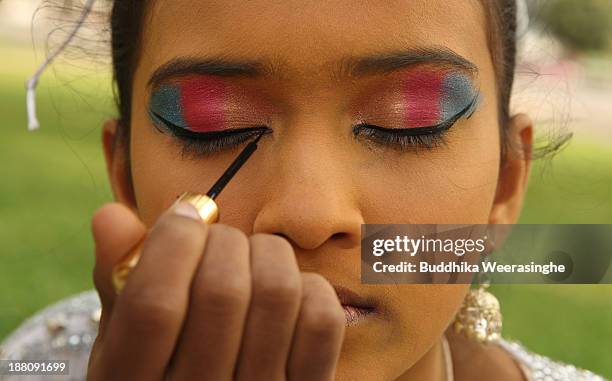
pixel 356 308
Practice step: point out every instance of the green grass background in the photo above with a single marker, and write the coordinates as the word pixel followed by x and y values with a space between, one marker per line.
pixel 52 180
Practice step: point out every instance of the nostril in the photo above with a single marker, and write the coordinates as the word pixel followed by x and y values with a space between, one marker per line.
pixel 338 236
pixel 282 235
pixel 345 240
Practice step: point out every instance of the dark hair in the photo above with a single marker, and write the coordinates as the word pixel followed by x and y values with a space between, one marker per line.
pixel 502 45
pixel 127 19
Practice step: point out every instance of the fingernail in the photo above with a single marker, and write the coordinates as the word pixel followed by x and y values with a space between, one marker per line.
pixel 186 209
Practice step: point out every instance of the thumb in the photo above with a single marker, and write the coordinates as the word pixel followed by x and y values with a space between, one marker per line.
pixel 116 229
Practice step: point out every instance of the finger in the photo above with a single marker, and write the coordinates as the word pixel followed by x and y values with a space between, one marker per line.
pixel 115 230
pixel 220 293
pixel 148 314
pixel 275 302
pixel 319 332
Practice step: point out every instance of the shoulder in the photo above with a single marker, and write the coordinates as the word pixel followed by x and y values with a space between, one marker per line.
pixel 541 368
pixel 65 330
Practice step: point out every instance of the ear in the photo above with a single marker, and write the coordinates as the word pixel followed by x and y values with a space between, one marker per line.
pixel 117 164
pixel 514 172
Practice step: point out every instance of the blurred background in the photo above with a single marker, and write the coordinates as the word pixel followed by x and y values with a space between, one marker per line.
pixel 53 179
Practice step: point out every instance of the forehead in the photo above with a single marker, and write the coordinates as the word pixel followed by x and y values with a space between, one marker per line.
pixel 308 36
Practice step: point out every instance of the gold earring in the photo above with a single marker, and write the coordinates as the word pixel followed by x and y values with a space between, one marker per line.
pixel 479 318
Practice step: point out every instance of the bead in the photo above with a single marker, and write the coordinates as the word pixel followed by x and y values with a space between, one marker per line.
pixel 74 340
pixel 544 369
pixel 56 324
pixel 96 315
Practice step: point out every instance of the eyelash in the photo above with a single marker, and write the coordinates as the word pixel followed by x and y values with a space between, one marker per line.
pixel 203 144
pixel 402 139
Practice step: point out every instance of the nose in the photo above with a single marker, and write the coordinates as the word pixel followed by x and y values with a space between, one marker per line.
pixel 312 200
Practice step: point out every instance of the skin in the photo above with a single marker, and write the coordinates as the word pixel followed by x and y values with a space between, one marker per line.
pixel 252 294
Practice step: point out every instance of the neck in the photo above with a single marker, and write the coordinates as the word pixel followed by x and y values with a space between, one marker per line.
pixel 432 366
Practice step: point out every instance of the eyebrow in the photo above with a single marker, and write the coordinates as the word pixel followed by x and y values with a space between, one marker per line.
pixel 182 66
pixel 393 61
pixel 344 68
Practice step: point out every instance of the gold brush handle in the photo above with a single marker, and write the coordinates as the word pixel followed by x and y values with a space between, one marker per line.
pixel 209 212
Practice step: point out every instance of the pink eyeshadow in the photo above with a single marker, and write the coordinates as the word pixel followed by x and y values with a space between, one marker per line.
pixel 203 102
pixel 422 94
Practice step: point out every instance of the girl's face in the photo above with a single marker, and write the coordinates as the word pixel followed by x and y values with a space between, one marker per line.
pixel 346 89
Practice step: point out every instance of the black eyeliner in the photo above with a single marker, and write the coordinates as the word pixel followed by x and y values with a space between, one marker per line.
pixel 184 132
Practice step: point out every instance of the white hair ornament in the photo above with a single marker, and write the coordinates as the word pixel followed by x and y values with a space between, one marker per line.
pixel 31 83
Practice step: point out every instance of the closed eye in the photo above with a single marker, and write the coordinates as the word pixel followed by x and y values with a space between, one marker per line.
pixel 404 139
pixel 206 143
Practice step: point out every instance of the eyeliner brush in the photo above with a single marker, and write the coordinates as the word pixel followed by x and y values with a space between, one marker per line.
pixel 234 167
pixel 205 204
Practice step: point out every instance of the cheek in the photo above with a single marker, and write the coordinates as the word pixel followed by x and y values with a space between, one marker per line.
pixel 437 306
pixel 421 326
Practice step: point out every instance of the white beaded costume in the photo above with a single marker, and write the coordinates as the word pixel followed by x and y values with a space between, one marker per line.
pixel 66 331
